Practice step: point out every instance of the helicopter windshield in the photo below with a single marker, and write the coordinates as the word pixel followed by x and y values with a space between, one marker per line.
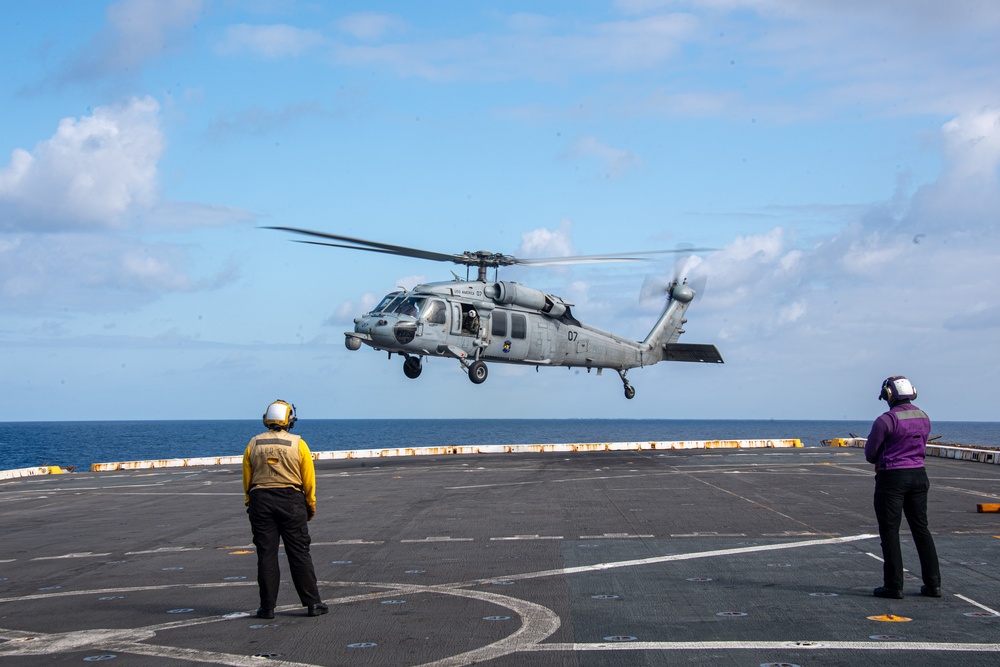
pixel 409 306
pixel 384 305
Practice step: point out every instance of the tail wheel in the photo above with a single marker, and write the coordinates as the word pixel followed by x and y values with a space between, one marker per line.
pixel 629 389
pixel 412 367
pixel 478 372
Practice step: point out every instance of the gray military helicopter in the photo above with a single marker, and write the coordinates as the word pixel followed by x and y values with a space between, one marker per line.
pixel 475 321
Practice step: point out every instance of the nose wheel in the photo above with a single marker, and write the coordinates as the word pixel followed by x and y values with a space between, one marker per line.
pixel 629 389
pixel 412 367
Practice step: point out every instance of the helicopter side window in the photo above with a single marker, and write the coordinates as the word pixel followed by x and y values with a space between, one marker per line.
pixel 435 313
pixel 499 324
pixel 518 326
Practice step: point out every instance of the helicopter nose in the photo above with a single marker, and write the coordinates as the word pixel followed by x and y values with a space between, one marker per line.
pixel 381 332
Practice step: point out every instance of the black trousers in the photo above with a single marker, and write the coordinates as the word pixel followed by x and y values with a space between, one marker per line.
pixel 282 513
pixel 899 492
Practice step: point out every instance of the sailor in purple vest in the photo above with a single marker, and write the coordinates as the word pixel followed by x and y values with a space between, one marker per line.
pixel 896 447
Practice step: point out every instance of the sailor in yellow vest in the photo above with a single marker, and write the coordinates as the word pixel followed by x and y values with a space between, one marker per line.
pixel 279 483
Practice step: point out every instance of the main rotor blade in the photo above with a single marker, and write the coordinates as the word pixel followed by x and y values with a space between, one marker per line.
pixel 374 246
pixel 615 257
pixel 349 247
pixel 479 258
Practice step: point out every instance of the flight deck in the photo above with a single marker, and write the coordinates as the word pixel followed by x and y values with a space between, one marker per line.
pixel 730 557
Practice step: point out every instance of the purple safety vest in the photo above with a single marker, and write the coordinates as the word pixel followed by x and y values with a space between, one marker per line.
pixel 905 439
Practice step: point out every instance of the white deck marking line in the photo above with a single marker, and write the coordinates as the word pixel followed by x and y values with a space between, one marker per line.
pixel 438 539
pixel 124 589
pixel 163 550
pixel 679 469
pixel 671 558
pixel 976 604
pixel 544 481
pixel 196 655
pixel 173 493
pixel 968 492
pixel 84 554
pixel 537 624
pixel 125 641
pixel 769 646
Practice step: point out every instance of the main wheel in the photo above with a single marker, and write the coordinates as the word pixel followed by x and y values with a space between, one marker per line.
pixel 412 367
pixel 629 392
pixel 478 372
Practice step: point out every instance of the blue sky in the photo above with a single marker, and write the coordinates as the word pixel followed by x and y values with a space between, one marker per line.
pixel 841 155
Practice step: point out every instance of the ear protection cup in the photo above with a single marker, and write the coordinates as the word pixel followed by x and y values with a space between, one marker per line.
pixel 886 393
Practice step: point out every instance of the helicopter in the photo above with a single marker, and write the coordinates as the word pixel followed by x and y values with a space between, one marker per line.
pixel 479 321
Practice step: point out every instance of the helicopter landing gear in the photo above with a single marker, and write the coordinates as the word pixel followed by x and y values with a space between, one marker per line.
pixel 478 372
pixel 629 389
pixel 412 367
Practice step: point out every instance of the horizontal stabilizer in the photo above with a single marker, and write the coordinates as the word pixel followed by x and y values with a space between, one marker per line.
pixel 692 352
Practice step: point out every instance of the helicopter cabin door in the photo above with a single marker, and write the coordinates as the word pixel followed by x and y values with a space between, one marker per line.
pixel 508 336
pixel 464 320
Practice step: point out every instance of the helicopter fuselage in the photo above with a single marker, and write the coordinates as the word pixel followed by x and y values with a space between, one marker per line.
pixel 475 321
pixel 506 322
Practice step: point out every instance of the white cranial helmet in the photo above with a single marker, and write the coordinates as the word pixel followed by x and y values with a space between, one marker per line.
pixel 897 388
pixel 280 414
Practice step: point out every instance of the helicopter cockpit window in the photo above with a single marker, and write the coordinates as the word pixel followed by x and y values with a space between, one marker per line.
pixel 435 312
pixel 408 306
pixel 383 306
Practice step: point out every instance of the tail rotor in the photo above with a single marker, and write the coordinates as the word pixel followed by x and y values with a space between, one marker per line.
pixel 686 272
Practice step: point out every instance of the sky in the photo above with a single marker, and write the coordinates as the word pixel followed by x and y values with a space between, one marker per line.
pixel 840 157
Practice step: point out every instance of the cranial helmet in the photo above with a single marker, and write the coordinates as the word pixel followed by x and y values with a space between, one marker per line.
pixel 897 388
pixel 280 415
pixel 472 312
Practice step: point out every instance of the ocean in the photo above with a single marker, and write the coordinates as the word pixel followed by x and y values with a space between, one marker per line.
pixel 79 444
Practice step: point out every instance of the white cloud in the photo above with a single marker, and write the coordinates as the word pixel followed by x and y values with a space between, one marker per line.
pixel 371 26
pixel 968 193
pixel 141 28
pixel 615 161
pixel 99 172
pixel 544 242
pixel 411 281
pixel 535 49
pixel 269 41
pixel 90 174
pixel 62 268
pixel 137 31
pixel 71 210
pixel 869 301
